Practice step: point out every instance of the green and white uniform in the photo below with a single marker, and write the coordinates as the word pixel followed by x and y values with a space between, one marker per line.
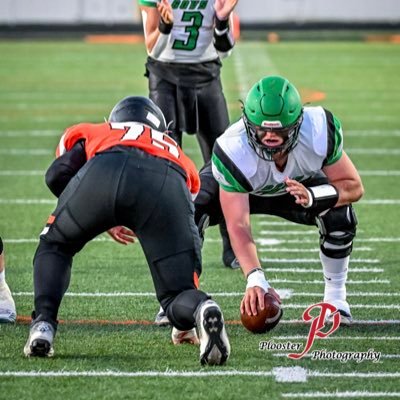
pixel 237 167
pixel 191 38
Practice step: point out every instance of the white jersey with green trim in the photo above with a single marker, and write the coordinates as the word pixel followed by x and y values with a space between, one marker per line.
pixel 238 168
pixel 191 38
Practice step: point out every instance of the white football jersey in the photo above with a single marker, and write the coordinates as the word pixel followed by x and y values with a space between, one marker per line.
pixel 191 38
pixel 238 168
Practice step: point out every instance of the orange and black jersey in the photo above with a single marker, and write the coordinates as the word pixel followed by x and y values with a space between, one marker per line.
pixel 100 137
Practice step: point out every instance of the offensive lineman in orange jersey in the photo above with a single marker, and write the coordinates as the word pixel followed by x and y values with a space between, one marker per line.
pixel 127 177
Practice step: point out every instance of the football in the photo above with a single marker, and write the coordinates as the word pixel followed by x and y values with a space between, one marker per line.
pixel 266 319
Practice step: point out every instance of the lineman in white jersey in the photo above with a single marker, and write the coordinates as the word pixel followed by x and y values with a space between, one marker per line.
pixel 287 160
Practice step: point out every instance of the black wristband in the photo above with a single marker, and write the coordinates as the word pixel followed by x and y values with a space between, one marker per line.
pixel 254 270
pixel 323 196
pixel 1 246
pixel 165 28
pixel 221 24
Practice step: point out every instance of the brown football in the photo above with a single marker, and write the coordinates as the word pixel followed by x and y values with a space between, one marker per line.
pixel 266 319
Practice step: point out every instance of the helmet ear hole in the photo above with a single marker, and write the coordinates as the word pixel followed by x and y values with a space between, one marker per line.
pixel 138 109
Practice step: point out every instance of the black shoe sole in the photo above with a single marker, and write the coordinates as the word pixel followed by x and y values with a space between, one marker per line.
pixel 40 348
pixel 213 325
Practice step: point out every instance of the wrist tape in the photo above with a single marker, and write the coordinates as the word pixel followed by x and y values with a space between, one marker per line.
pixel 256 277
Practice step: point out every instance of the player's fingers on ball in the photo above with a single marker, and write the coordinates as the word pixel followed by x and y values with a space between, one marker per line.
pixel 253 304
pixel 261 297
pixel 242 307
pixel 247 305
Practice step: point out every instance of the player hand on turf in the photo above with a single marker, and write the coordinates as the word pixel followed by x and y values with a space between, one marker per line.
pixel 122 235
pixel 253 296
pixel 223 8
pixel 165 10
pixel 298 190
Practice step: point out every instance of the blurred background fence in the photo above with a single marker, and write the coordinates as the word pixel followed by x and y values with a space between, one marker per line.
pixel 75 16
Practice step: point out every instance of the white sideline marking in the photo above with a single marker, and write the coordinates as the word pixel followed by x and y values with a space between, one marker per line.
pixel 290 374
pixel 190 374
pixel 315 260
pixel 342 395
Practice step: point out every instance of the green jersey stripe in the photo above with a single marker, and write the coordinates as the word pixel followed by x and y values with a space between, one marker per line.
pixel 335 139
pixel 148 3
pixel 229 182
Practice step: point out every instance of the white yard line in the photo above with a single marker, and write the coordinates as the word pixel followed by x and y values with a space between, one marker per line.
pixel 46 151
pixel 302 250
pixel 319 271
pixel 278 373
pixel 284 293
pixel 341 395
pixel 262 242
pixel 361 172
pixel 315 260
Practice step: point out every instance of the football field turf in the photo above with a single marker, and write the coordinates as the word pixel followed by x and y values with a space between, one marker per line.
pixel 106 346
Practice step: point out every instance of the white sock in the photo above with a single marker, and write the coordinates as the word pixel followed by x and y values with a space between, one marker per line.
pixel 335 276
pixel 2 276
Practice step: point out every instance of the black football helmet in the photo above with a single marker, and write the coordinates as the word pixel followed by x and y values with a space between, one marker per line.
pixel 138 109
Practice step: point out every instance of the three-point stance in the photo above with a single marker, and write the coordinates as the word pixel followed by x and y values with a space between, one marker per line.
pixel 287 160
pixel 127 177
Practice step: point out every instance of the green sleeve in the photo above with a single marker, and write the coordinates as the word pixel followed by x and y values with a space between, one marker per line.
pixel 148 3
pixel 225 178
pixel 335 140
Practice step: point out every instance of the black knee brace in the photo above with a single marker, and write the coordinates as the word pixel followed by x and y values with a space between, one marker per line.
pixel 181 310
pixel 337 230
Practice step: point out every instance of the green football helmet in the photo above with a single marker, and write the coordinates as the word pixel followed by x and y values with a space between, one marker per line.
pixel 272 104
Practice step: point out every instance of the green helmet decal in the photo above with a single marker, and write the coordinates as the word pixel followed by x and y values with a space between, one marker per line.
pixel 273 104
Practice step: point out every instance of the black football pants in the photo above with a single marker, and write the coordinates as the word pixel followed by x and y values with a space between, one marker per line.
pixel 130 188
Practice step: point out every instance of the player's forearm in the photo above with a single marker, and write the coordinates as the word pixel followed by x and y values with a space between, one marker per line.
pixel 350 191
pixel 244 248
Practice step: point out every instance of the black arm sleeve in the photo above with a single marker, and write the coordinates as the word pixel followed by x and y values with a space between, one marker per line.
pixel 64 168
pixel 223 40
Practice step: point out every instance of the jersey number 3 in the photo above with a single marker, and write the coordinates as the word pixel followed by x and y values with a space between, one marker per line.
pixel 196 19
